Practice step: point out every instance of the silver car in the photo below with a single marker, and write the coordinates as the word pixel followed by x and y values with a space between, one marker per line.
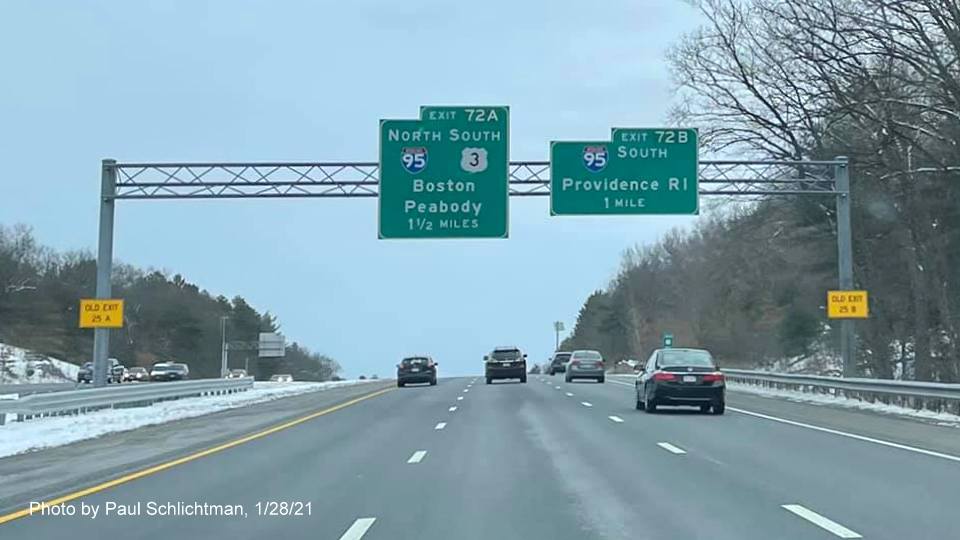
pixel 585 365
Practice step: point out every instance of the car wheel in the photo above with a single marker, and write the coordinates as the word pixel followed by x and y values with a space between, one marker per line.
pixel 399 384
pixel 523 379
pixel 705 408
pixel 601 379
pixel 489 380
pixel 433 382
pixel 651 406
pixel 719 407
pixel 639 404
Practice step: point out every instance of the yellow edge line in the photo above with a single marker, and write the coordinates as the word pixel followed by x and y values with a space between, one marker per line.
pixel 179 461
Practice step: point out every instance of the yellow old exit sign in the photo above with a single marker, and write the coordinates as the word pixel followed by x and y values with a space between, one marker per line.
pixel 848 304
pixel 101 313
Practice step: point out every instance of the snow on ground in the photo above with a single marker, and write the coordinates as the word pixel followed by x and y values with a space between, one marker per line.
pixel 25 367
pixel 32 435
pixel 939 418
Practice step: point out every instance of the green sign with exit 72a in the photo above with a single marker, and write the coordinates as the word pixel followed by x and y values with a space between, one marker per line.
pixel 639 171
pixel 445 175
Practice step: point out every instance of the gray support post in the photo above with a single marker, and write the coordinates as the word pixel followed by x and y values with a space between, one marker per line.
pixel 224 360
pixel 848 337
pixel 101 336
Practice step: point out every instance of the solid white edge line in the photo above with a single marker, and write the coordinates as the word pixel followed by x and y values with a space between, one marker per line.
pixel 820 521
pixel 863 438
pixel 358 529
pixel 569 394
pixel 440 425
pixel 616 419
pixel 451 409
pixel 586 404
pixel 849 435
pixel 417 456
pixel 671 448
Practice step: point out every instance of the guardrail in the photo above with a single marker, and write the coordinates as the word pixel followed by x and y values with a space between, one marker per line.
pixel 939 397
pixel 129 395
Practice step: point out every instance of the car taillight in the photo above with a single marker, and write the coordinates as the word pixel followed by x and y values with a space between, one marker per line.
pixel 574 362
pixel 600 363
pixel 713 377
pixel 664 376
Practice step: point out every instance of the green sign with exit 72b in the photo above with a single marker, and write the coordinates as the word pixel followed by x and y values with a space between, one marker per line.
pixel 639 171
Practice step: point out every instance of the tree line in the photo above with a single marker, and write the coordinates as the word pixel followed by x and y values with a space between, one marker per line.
pixel 874 80
pixel 166 317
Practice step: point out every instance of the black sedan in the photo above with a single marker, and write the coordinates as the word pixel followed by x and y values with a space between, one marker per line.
pixel 681 377
pixel 416 369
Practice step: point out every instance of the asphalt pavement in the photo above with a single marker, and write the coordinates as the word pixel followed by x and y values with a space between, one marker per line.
pixel 546 459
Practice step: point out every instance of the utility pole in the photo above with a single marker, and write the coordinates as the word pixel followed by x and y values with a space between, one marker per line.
pixel 557 327
pixel 223 345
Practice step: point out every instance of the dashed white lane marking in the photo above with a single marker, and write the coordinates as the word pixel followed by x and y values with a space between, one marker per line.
pixel 451 409
pixel 440 425
pixel 820 521
pixel 569 394
pixel 417 456
pixel 358 529
pixel 586 404
pixel 459 398
pixel 881 442
pixel 671 448
pixel 850 435
pixel 557 387
pixel 466 390
pixel 616 419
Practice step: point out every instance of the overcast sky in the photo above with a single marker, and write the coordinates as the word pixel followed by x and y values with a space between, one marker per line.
pixel 309 81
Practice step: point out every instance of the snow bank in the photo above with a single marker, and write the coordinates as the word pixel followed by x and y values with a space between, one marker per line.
pixel 939 418
pixel 26 367
pixel 32 435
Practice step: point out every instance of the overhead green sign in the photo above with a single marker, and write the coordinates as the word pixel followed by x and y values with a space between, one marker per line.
pixel 639 171
pixel 668 340
pixel 446 174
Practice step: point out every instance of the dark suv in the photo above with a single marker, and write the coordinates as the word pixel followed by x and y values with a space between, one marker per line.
pixel 505 363
pixel 559 363
pixel 416 369
pixel 114 372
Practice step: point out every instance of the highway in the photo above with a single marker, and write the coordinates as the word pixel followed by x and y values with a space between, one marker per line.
pixel 546 459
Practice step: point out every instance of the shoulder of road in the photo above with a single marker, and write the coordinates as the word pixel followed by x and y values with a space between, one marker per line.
pixel 54 471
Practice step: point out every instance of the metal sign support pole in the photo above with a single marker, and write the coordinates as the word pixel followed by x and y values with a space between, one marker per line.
pixel 848 337
pixel 101 336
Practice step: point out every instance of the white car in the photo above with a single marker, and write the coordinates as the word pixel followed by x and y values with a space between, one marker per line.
pixel 281 378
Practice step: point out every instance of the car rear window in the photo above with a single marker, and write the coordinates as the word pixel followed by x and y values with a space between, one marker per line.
pixel 588 355
pixel 414 361
pixel 561 357
pixel 506 355
pixel 686 358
